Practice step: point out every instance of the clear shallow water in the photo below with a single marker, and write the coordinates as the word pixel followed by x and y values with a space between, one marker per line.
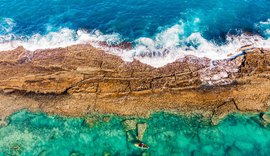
pixel 39 134
pixel 162 30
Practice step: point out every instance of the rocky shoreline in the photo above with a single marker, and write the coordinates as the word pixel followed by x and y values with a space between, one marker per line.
pixel 80 80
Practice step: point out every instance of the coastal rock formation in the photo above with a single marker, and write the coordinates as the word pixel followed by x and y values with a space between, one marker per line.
pixel 79 80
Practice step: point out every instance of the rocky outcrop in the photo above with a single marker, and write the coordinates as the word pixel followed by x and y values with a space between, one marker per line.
pixel 80 79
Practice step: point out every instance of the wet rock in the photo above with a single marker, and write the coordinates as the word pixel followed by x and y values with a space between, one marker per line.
pixel 222 110
pixel 122 45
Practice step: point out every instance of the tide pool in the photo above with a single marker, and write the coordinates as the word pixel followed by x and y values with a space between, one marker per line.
pixel 167 134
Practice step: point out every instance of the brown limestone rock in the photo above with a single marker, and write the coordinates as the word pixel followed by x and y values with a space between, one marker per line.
pixel 78 80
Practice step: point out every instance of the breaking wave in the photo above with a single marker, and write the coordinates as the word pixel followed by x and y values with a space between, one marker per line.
pixel 168 45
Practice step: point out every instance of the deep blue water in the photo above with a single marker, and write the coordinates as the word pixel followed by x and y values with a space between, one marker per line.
pixel 133 19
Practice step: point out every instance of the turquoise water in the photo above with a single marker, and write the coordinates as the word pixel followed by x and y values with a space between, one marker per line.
pixel 167 134
pixel 205 28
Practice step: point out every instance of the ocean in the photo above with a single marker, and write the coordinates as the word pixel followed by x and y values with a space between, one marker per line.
pixel 160 31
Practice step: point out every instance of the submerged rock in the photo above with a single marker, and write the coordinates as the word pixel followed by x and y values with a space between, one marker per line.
pixel 167 134
pixel 130 124
pixel 106 153
pixel 3 123
pixel 91 121
pixel 266 117
pixel 141 128
pixel 74 153
pixel 145 154
pixel 131 136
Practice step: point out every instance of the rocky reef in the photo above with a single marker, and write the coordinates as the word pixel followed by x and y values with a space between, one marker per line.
pixel 79 80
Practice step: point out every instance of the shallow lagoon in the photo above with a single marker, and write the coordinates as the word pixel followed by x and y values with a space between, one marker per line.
pixel 39 134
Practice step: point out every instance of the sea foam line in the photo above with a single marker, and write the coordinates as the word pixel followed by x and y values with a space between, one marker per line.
pixel 62 38
pixel 166 47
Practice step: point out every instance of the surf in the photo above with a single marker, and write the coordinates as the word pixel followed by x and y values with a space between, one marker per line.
pixel 159 33
pixel 165 47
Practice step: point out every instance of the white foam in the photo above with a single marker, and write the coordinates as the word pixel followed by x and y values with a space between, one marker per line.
pixel 166 47
pixel 171 45
pixel 267 22
pixel 62 38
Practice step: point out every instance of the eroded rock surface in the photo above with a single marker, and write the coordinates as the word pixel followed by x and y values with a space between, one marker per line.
pixel 80 79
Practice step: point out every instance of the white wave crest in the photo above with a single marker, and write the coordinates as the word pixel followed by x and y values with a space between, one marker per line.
pixel 62 38
pixel 171 44
pixel 267 22
pixel 166 47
